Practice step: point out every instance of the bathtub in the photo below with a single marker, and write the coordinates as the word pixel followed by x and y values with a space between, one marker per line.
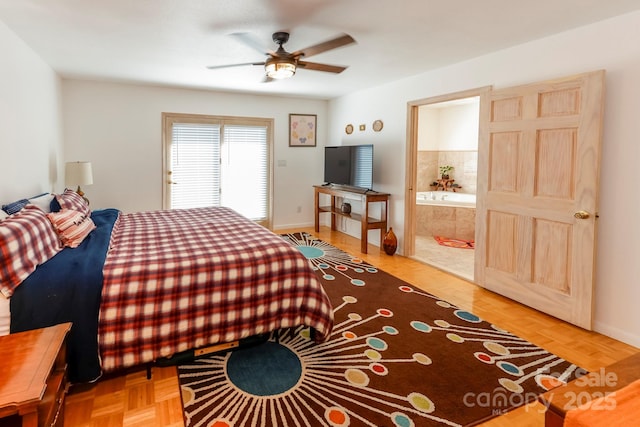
pixel 446 198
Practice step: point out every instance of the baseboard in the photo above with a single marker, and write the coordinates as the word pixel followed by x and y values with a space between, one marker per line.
pixel 618 334
pixel 292 226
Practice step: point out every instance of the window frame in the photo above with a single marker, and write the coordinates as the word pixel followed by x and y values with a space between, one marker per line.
pixel 168 119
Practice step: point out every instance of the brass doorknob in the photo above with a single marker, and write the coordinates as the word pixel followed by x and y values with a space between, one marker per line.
pixel 581 214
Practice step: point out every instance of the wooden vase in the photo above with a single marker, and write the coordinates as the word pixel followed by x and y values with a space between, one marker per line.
pixel 390 242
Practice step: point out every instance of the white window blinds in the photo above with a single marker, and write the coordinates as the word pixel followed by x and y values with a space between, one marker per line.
pixel 245 171
pixel 195 170
pixel 220 163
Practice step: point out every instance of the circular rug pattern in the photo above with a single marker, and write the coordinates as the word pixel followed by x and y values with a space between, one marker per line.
pixel 265 370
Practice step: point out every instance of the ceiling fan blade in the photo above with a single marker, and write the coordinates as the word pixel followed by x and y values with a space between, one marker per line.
pixel 337 42
pixel 321 67
pixel 216 67
pixel 249 40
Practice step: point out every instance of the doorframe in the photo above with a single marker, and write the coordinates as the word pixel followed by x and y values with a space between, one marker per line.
pixel 411 176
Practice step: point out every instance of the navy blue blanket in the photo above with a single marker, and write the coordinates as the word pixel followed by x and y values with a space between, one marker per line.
pixel 67 288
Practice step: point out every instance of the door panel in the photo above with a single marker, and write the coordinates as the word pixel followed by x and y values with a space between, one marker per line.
pixel 551 246
pixel 555 152
pixel 501 243
pixel 505 159
pixel 541 143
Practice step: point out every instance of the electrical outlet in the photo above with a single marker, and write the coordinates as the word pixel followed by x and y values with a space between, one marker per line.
pixel 299 209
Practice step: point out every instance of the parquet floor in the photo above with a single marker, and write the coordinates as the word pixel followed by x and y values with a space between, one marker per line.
pixel 133 401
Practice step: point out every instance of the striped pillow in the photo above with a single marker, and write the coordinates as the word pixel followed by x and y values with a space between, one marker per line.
pixel 69 199
pixel 27 239
pixel 72 226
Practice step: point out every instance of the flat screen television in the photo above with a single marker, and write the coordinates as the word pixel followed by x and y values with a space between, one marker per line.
pixel 349 165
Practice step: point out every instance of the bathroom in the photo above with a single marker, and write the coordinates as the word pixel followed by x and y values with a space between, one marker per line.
pixel 447 136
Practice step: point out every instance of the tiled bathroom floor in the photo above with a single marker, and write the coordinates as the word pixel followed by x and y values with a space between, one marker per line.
pixel 452 260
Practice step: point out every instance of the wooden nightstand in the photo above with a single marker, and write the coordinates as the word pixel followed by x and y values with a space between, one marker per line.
pixel 33 379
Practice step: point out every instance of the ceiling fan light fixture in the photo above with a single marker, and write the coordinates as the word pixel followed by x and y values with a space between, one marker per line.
pixel 280 69
pixel 283 65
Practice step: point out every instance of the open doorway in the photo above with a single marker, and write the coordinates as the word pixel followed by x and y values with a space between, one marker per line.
pixel 441 191
pixel 536 211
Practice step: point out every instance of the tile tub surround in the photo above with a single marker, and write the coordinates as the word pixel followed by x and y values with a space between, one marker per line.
pixel 465 170
pixel 456 223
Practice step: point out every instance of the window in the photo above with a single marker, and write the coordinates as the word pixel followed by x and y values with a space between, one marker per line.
pixel 218 161
pixel 245 171
pixel 194 154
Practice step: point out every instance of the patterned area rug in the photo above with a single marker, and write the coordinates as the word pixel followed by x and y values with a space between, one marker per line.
pixel 397 356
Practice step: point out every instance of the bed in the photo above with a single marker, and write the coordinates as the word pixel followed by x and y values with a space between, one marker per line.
pixel 144 286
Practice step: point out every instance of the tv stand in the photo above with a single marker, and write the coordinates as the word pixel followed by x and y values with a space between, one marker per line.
pixel 347 188
pixel 366 223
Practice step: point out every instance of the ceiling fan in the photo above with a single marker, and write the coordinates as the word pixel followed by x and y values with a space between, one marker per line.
pixel 282 64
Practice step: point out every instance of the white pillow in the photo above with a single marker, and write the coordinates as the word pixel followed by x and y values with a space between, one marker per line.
pixel 43 202
pixel 3 214
pixel 5 316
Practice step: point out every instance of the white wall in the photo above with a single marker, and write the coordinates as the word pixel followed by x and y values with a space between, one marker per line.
pixel 30 122
pixel 118 128
pixel 449 128
pixel 610 45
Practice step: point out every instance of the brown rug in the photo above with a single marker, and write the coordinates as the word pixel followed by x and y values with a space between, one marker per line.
pixel 397 356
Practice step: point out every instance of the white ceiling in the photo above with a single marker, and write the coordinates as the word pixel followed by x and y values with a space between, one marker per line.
pixel 170 42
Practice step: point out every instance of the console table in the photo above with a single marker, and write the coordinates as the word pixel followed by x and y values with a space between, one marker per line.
pixel 366 222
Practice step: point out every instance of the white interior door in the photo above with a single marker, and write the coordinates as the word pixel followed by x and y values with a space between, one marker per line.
pixel 538 172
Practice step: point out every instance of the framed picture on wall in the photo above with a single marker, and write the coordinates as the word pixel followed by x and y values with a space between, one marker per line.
pixel 302 130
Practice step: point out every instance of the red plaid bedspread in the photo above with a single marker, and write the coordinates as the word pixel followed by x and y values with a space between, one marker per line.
pixel 181 279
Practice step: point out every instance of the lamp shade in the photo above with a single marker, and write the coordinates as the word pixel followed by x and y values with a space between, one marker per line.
pixel 78 173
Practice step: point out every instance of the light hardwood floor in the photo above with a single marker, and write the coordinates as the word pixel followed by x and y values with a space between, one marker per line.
pixel 132 400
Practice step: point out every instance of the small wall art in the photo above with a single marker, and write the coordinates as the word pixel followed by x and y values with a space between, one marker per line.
pixel 302 130
pixel 349 129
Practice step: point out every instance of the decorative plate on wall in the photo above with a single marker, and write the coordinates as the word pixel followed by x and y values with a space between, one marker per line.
pixel 377 125
pixel 349 129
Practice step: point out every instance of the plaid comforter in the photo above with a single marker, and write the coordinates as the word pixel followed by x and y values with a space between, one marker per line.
pixel 180 279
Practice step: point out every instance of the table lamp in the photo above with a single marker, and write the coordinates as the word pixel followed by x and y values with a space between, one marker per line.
pixel 78 173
